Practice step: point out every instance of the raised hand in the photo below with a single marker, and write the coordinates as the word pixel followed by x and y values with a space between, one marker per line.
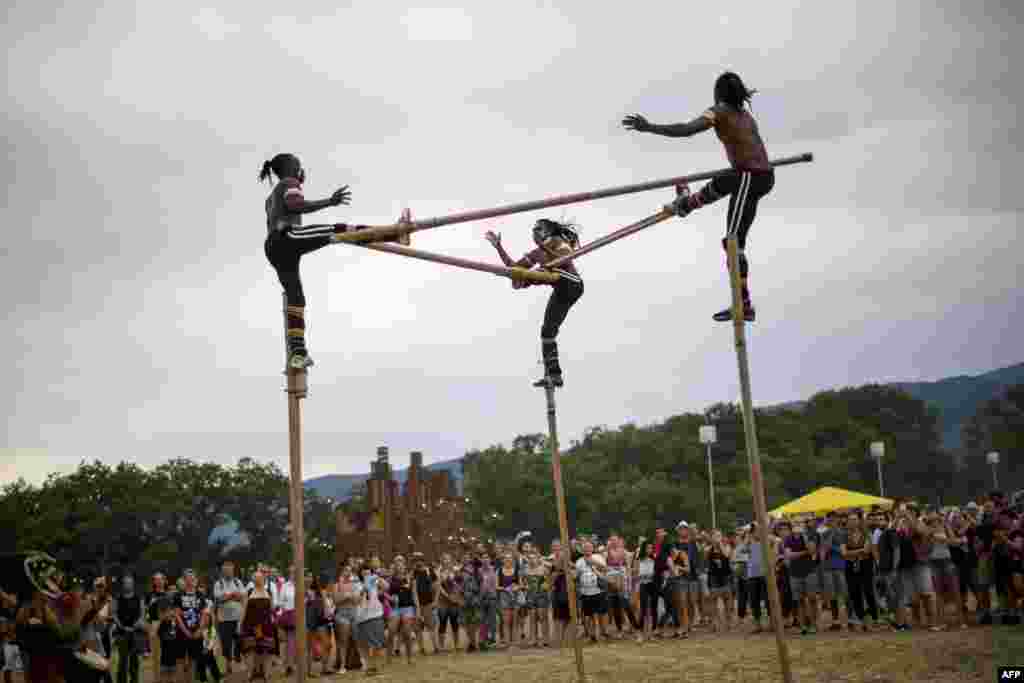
pixel 636 122
pixel 341 196
pixel 493 237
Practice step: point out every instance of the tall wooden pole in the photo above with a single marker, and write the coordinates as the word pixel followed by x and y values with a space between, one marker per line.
pixel 563 526
pixel 754 456
pixel 297 386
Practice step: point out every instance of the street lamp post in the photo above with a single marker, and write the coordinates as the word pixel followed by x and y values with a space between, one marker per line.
pixel 993 460
pixel 708 436
pixel 878 452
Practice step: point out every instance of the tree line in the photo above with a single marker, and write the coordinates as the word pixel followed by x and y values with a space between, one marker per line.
pixel 635 477
pixel 103 519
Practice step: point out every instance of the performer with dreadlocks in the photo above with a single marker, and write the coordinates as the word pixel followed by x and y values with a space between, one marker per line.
pixel 287 241
pixel 752 177
pixel 553 240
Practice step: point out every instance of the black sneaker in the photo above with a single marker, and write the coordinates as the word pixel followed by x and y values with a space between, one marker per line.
pixel 725 315
pixel 986 619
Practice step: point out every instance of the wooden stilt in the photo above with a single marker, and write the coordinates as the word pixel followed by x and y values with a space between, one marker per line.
pixel 377 233
pixel 563 526
pixel 754 456
pixel 297 389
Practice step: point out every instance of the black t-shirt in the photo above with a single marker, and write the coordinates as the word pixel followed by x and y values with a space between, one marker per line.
pixel 908 558
pixel 718 566
pixel 128 610
pixel 191 606
pixel 400 586
pixel 425 580
pixel 155 602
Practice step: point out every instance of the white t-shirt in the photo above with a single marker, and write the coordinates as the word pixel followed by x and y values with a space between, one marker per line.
pixel 587 578
pixel 370 607
pixel 646 571
pixel 286 596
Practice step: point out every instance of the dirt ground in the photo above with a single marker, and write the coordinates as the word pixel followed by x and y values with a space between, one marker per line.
pixel 876 657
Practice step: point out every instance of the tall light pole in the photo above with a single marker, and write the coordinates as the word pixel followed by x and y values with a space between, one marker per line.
pixel 878 452
pixel 993 459
pixel 708 436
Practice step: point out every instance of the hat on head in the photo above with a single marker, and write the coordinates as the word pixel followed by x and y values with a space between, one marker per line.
pixel 972 506
pixel 682 525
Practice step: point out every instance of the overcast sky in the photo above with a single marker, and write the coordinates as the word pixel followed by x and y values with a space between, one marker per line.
pixel 147 324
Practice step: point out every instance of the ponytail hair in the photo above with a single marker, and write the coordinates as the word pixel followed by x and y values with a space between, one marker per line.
pixel 729 89
pixel 282 165
pixel 265 171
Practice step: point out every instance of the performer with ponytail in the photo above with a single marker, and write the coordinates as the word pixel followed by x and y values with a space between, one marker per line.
pixel 752 177
pixel 553 240
pixel 287 241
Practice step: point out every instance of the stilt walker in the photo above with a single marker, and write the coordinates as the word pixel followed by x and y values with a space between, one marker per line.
pixel 752 179
pixel 288 240
pixel 553 240
pixel 753 174
pixel 563 526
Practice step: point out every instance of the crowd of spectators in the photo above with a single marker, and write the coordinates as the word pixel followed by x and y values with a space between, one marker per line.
pixel 900 568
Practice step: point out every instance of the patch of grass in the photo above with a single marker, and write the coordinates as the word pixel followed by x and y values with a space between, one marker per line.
pixel 879 657
pixel 1008 645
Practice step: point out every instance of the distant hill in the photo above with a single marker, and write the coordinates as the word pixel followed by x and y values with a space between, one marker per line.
pixel 958 398
pixel 339 486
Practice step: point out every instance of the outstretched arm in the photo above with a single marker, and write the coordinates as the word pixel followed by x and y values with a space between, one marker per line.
pixel 673 130
pixel 297 203
pixel 495 240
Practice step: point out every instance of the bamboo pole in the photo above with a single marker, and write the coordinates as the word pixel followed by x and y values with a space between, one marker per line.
pixel 297 390
pixel 521 274
pixel 754 456
pixel 376 233
pixel 563 526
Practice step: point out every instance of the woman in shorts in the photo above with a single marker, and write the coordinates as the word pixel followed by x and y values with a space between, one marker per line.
pixel 719 564
pixel 369 620
pixel 944 573
pixel 347 597
pixel 538 599
pixel 471 601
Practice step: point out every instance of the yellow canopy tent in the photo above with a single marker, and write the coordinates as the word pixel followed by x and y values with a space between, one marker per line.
pixel 827 499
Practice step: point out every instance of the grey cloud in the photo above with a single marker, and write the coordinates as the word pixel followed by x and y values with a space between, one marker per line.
pixel 149 325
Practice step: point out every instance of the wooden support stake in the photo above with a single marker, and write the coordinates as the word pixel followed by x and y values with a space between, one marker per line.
pixel 754 456
pixel 521 274
pixel 297 389
pixel 563 526
pixel 377 233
